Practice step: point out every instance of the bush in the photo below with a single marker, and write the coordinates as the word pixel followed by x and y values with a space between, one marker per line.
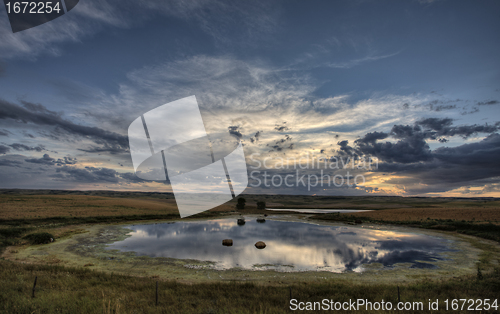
pixel 39 238
pixel 241 203
pixel 12 232
pixel 261 205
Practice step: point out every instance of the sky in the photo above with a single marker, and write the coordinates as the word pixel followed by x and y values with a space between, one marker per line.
pixel 412 86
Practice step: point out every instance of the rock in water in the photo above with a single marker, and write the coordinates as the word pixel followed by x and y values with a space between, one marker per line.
pixel 241 221
pixel 227 242
pixel 260 245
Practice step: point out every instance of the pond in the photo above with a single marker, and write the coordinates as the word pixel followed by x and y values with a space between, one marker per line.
pixel 318 210
pixel 290 246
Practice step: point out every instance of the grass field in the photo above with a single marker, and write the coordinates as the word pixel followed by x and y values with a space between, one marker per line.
pixel 81 290
pixel 68 290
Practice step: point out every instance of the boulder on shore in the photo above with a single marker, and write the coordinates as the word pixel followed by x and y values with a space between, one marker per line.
pixel 260 245
pixel 227 242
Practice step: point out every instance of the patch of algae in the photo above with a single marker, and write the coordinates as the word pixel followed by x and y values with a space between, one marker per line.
pixel 88 250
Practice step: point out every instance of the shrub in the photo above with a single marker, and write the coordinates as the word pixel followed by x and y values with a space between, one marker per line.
pixel 241 203
pixel 39 238
pixel 261 205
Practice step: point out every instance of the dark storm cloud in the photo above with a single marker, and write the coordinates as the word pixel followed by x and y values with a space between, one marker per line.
pixel 105 148
pixel 46 160
pixel 441 169
pixel 467 162
pixel 440 105
pixel 468 130
pixel 21 147
pixel 281 128
pixel 434 127
pixel 66 161
pixel 234 130
pixel 283 143
pixel 95 175
pixel 345 148
pixel 10 163
pixel 4 149
pixel 412 148
pixel 444 107
pixel 436 124
pixel 412 145
pixel 485 152
pixel 4 132
pixel 473 110
pixel 256 137
pixel 52 172
pixel 38 114
pixel 488 103
pixel 87 174
pixel 132 177
pixel 373 136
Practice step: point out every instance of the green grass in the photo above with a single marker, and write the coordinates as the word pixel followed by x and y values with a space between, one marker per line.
pixel 39 238
pixel 71 290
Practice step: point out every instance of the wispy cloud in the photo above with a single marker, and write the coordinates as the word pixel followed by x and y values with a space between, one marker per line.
pixel 39 115
pixel 216 17
pixel 355 62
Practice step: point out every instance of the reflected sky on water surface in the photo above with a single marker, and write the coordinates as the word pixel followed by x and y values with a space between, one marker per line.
pixel 291 246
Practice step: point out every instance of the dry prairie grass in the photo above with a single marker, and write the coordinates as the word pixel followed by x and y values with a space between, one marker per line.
pixel 42 206
pixel 48 206
pixel 477 214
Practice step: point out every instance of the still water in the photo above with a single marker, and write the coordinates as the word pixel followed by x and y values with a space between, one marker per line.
pixel 318 211
pixel 290 246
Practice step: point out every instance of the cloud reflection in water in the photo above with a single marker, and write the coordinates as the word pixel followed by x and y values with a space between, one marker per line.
pixel 304 246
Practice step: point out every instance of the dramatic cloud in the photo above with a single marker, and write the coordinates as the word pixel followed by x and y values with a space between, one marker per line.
pixel 95 175
pixel 435 127
pixel 39 115
pixel 216 18
pixel 283 143
pixel 21 147
pixel 46 160
pixel 234 130
pixel 255 138
pixel 281 128
pixel 488 103
pixel 421 170
pixel 4 149
pixel 412 146
pixel 88 174
pixel 10 163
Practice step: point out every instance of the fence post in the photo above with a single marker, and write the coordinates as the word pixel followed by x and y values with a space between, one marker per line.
pixel 156 293
pixel 34 285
